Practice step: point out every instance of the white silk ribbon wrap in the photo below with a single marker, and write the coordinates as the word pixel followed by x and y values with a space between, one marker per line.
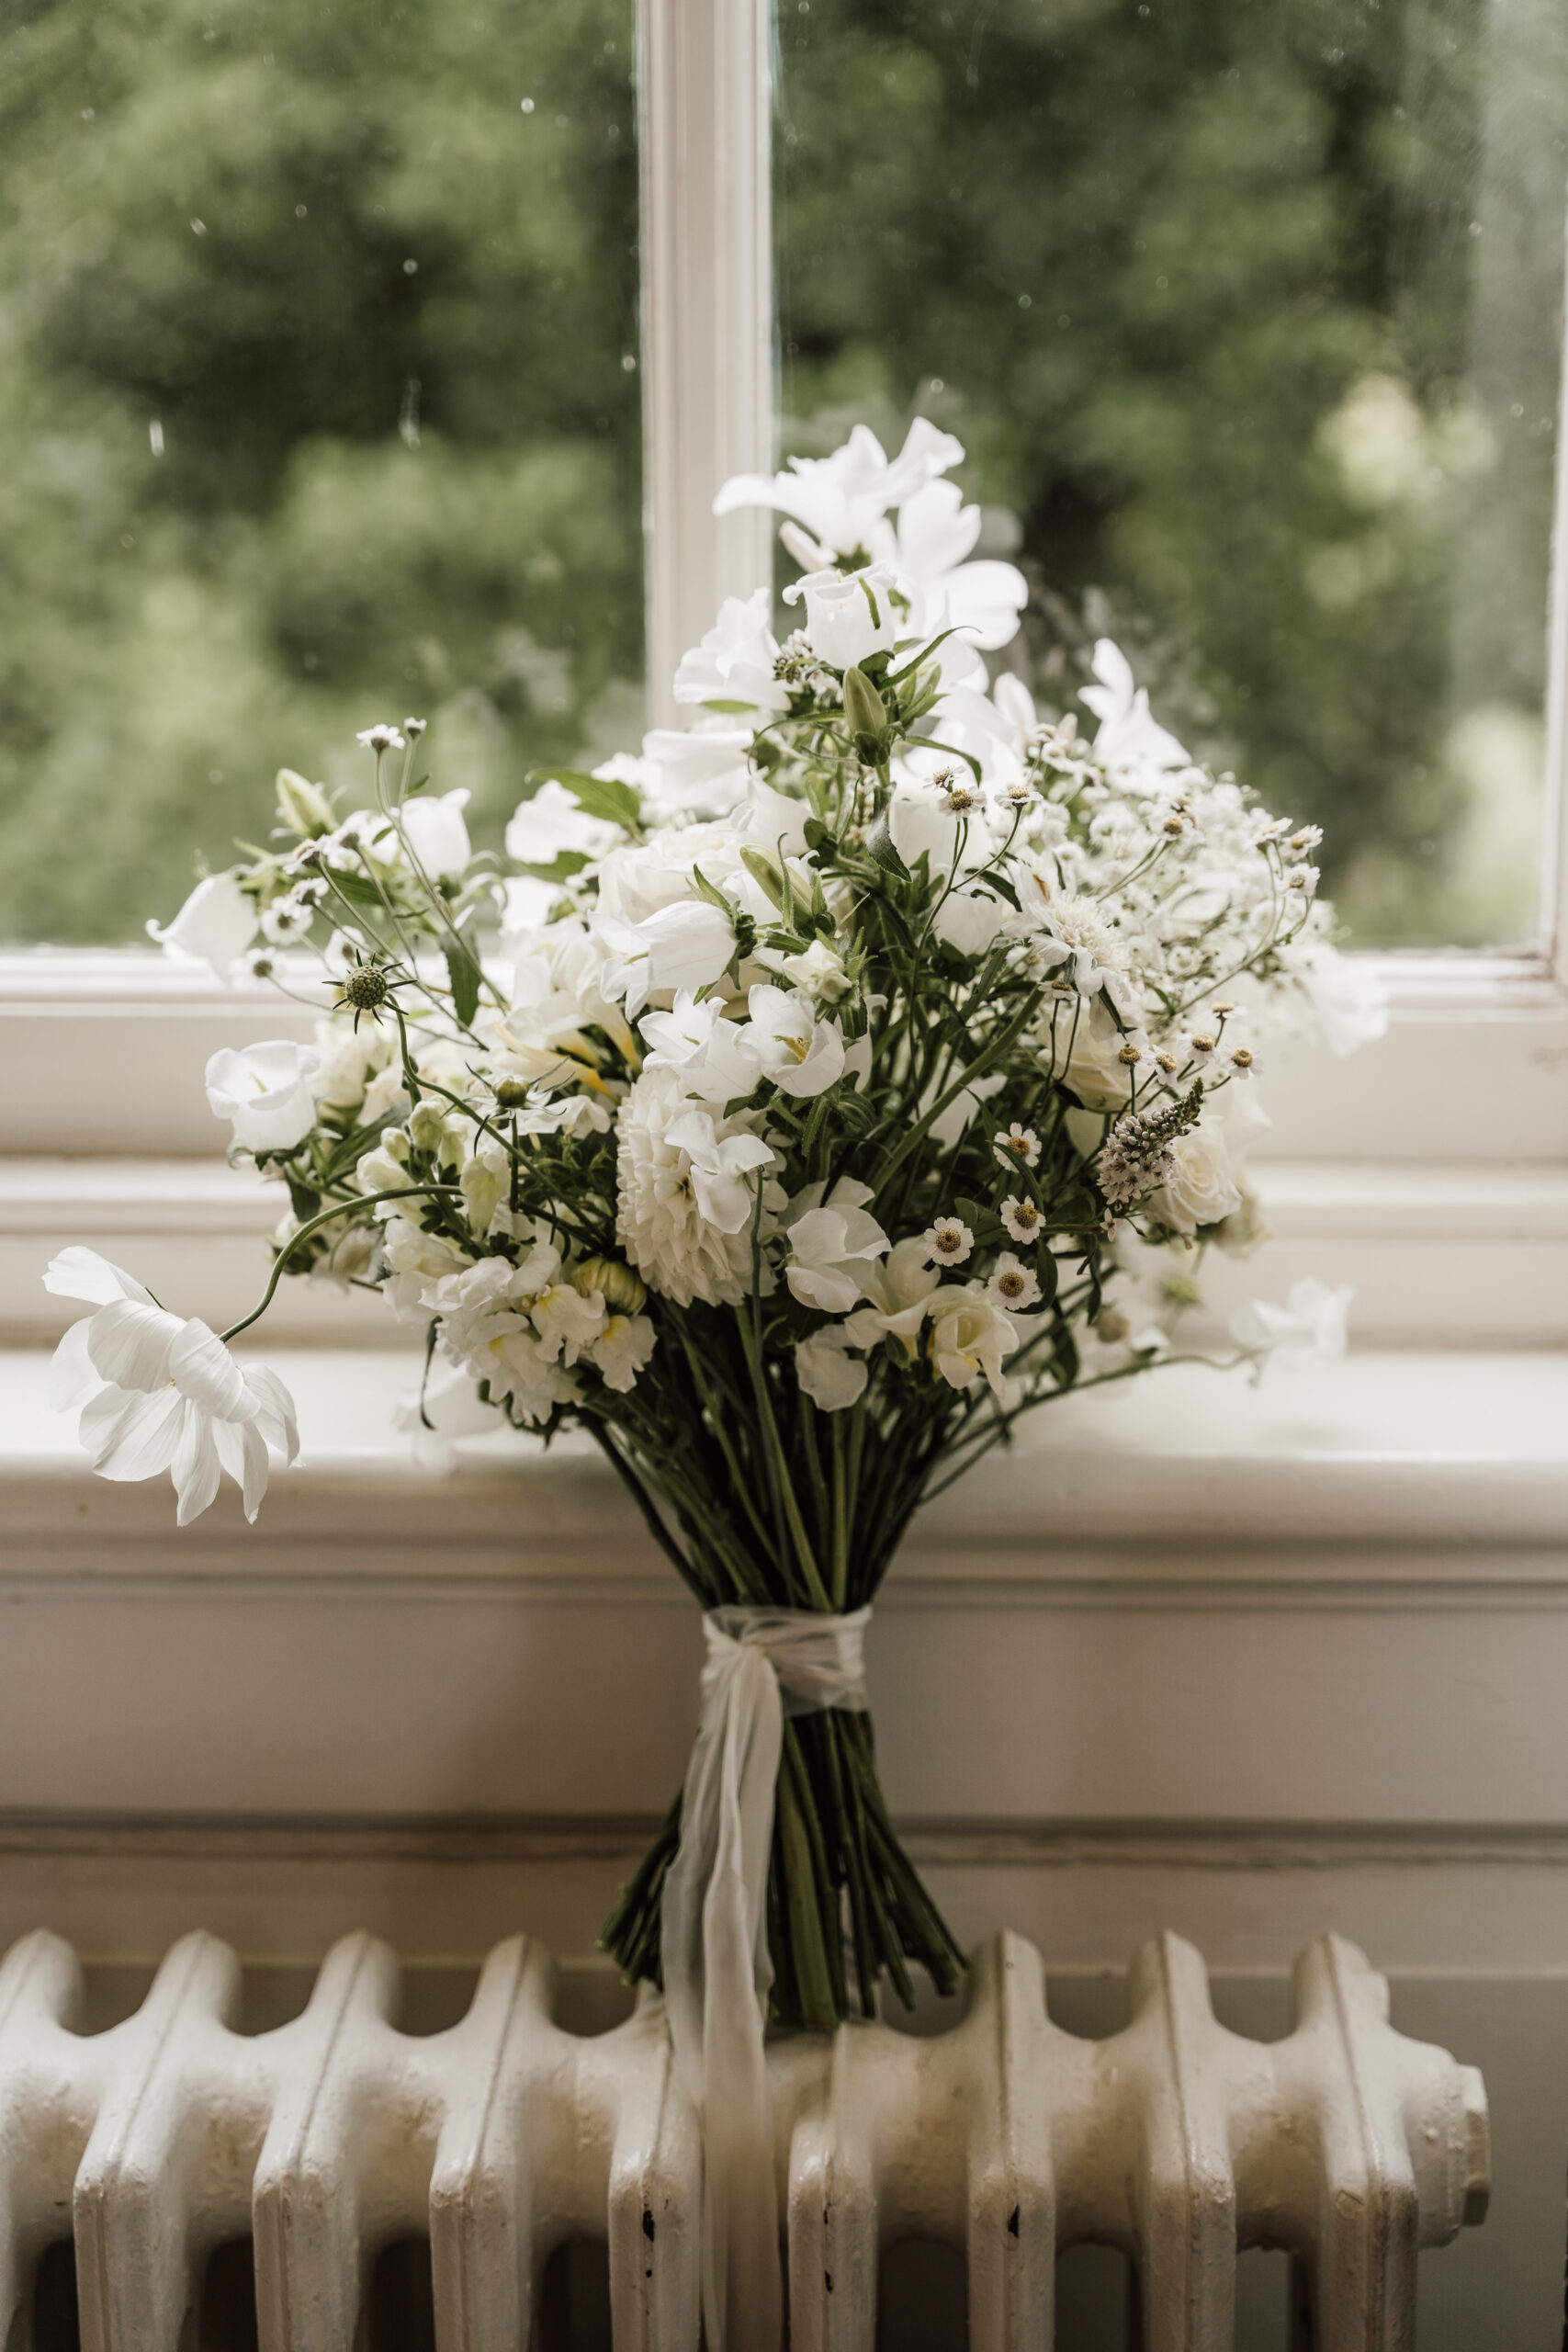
pixel 762 1664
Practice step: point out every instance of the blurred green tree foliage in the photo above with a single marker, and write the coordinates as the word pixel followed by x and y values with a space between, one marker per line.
pixel 1250 312
pixel 318 402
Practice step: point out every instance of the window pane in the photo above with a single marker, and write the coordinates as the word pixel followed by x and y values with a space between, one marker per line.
pixel 1249 311
pixel 318 403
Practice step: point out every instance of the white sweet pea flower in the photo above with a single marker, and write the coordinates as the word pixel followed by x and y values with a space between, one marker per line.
pixel 841 498
pixel 818 973
pixel 215 926
pixel 848 616
pixel 554 820
pixel 972 919
pixel 1310 1330
pixel 717 1059
pixel 437 833
pixel 900 1291
pixel 735 660
pixel 265 1090
pixel 689 946
pixel 802 1055
pixel 970 1337
pixel 159 1394
pixel 832 1243
pixel 1130 743
pixel 832 1377
pixel 704 770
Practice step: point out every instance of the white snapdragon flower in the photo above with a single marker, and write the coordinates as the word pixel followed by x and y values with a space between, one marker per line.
pixel 899 1292
pixel 828 1375
pixel 970 1337
pixel 415 1261
pixel 1310 1330
pixel 566 1322
pixel 266 1090
pixel 436 832
pixel 841 498
pixel 848 615
pixel 1130 744
pixel 622 1350
pixel 802 1055
pixel 159 1394
pixel 686 1188
pixel 215 926
pixel 554 822
pixel 832 1243
pixel 735 660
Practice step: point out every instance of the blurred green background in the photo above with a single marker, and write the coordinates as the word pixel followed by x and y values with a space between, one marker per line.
pixel 1249 311
pixel 318 398
pixel 382 322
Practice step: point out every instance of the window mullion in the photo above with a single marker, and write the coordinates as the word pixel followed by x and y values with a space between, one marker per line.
pixel 707 314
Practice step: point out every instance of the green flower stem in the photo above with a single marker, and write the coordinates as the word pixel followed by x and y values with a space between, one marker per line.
pixel 809 1902
pixel 340 1208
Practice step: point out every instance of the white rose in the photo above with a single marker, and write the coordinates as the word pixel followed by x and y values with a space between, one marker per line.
pixel 1200 1189
pixel 266 1090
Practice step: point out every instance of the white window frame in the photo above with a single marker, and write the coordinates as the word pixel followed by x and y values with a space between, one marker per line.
pixel 101 1052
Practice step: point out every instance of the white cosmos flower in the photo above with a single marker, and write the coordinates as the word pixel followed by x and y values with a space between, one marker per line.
pixel 437 832
pixel 215 926
pixel 849 616
pixel 970 1337
pixel 833 1242
pixel 159 1394
pixel 735 660
pixel 841 498
pixel 1311 1329
pixel 265 1090
pixel 687 1184
pixel 832 1377
pixel 554 820
pixel 1130 742
pixel 803 1056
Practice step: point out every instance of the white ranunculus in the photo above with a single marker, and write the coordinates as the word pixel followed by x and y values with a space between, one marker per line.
pixel 685 946
pixel 832 1377
pixel 1311 1329
pixel 1202 1187
pixel 266 1090
pixel 833 1243
pixel 636 881
pixel 437 833
pixel 970 1337
pixel 159 1394
pixel 735 660
pixel 215 926
pixel 554 822
pixel 848 615
pixel 687 1192
pixel 802 1055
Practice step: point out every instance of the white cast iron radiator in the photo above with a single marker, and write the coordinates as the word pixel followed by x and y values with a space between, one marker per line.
pixel 169 2135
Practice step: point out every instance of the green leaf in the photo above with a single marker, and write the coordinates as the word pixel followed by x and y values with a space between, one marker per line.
pixel 713 897
pixel 1048 1274
pixel 729 707
pixel 598 795
pixel 357 889
pixel 560 868
pixel 463 971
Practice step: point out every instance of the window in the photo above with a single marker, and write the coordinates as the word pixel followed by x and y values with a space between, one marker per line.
pixel 1431 334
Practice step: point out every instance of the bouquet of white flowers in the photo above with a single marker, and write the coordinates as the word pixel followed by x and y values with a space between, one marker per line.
pixel 795 1106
